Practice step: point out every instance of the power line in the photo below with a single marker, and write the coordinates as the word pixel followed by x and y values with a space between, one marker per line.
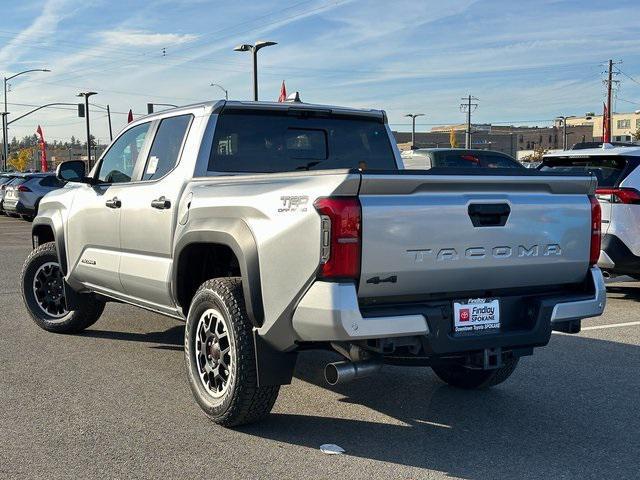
pixel 629 77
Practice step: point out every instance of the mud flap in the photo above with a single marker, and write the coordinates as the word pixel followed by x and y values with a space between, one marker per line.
pixel 70 296
pixel 272 366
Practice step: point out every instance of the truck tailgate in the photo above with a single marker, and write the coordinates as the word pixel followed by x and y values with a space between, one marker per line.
pixel 426 234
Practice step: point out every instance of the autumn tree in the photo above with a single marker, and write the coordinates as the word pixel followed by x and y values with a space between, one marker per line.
pixel 21 160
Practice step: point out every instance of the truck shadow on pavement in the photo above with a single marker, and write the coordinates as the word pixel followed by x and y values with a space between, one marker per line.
pixel 170 339
pixel 623 292
pixel 569 411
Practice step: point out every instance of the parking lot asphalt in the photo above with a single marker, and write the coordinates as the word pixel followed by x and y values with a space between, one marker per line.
pixel 114 402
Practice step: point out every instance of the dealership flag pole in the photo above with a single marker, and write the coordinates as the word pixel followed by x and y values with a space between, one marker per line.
pixel 43 150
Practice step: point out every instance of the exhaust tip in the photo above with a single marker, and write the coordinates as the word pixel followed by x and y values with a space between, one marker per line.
pixel 331 374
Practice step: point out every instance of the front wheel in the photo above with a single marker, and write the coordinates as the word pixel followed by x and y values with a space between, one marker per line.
pixel 220 356
pixel 43 294
pixel 468 378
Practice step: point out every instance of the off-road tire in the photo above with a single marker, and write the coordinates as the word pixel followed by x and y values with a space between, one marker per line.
pixel 471 379
pixel 243 401
pixel 74 321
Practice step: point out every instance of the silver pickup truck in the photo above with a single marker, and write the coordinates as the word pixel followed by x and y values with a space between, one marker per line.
pixel 272 228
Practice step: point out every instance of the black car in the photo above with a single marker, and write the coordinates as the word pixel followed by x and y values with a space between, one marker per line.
pixel 426 158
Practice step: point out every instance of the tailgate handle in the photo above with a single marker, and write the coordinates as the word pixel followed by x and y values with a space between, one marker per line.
pixel 489 214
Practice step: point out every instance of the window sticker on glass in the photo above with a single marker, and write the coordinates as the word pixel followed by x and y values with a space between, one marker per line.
pixel 152 165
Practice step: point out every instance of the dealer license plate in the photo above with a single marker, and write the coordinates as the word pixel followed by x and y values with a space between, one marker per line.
pixel 476 315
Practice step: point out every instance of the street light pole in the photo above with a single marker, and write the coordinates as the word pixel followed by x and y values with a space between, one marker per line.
pixel 564 129
pixel 245 47
pixel 226 92
pixel 86 96
pixel 5 123
pixel 151 105
pixel 413 127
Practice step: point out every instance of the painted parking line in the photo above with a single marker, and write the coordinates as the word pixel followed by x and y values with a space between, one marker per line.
pixel 602 327
pixel 611 325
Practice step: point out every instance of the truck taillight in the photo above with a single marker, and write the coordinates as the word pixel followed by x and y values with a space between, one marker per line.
pixel 596 222
pixel 341 222
pixel 621 195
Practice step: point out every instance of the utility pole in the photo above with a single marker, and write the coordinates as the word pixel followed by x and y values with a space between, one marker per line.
pixel 86 96
pixel 610 81
pixel 609 88
pixel 110 130
pixel 468 107
pixel 413 127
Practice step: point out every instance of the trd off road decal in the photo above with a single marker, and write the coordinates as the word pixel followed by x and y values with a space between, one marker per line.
pixel 293 203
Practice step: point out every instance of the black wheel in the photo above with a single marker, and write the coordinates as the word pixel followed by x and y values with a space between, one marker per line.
pixel 463 377
pixel 220 356
pixel 43 295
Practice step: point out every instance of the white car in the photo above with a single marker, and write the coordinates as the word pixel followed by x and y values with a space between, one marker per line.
pixel 618 192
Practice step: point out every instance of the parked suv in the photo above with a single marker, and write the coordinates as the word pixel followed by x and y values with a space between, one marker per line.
pixel 23 194
pixel 277 227
pixel 5 178
pixel 425 158
pixel 618 192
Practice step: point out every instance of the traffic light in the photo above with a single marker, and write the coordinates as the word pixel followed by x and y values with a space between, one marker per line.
pixel 81 110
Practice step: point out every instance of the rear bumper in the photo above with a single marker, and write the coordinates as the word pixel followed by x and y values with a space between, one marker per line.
pixel 616 257
pixel 579 309
pixel 16 206
pixel 330 312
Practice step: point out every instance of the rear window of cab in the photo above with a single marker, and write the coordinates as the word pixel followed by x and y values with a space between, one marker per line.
pixel 269 142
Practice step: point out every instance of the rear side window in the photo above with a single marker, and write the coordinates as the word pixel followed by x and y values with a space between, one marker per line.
pixel 608 170
pixel 166 147
pixel 493 160
pixel 265 142
pixel 455 160
pixel 473 159
pixel 51 181
pixel 17 181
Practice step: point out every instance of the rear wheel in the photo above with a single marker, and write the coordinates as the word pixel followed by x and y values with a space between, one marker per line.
pixel 220 356
pixel 468 378
pixel 43 295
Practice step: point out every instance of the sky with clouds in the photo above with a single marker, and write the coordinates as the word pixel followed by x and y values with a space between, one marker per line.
pixel 526 61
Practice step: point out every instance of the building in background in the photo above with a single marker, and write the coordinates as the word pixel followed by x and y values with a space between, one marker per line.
pixel 624 125
pixel 506 139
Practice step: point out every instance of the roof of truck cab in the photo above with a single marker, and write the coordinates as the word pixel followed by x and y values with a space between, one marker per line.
pixel 219 105
pixel 593 152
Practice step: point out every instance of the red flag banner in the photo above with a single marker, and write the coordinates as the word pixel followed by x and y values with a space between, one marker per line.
pixel 43 150
pixel 130 116
pixel 283 93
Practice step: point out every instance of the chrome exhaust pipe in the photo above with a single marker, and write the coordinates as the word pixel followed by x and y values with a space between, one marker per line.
pixel 343 372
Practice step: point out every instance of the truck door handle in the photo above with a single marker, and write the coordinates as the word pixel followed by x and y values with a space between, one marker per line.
pixel 161 203
pixel 489 214
pixel 113 203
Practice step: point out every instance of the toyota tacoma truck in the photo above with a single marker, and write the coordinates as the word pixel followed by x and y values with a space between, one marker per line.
pixel 271 228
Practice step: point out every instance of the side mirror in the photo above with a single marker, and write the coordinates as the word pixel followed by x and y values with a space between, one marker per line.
pixel 72 171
